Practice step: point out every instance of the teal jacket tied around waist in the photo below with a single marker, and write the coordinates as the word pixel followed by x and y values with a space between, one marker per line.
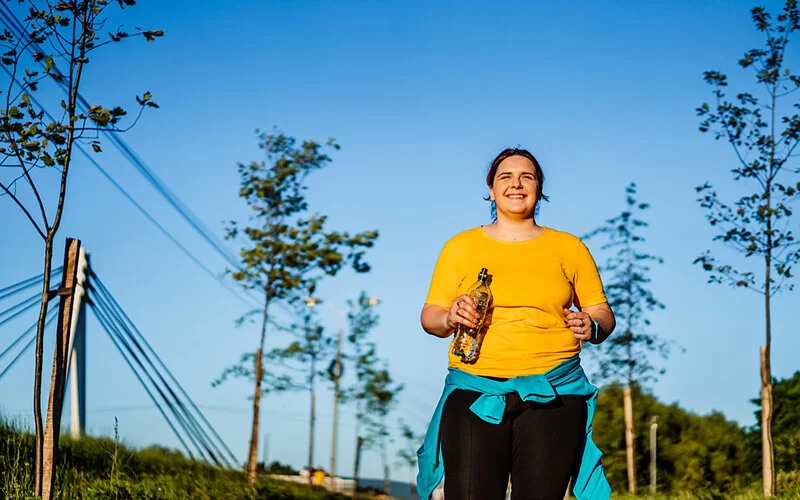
pixel 588 478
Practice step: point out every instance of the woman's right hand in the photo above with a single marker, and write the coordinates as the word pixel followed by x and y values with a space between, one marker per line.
pixel 462 312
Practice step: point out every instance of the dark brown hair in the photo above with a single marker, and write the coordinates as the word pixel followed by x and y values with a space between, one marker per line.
pixel 537 172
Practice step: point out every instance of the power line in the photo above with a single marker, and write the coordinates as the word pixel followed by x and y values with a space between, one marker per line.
pixel 11 21
pixel 15 25
pixel 140 207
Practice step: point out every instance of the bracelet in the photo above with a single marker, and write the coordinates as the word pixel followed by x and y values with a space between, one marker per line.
pixel 595 331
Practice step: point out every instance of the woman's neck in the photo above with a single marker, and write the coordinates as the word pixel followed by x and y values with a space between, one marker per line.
pixel 514 229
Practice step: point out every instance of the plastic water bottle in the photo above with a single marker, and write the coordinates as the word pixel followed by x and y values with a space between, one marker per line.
pixel 466 343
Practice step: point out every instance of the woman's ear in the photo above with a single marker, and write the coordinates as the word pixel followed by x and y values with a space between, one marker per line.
pixel 491 194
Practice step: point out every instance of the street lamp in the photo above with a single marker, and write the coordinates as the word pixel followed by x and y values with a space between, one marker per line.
pixel 311 302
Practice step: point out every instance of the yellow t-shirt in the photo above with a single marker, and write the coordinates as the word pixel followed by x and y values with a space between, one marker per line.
pixel 532 281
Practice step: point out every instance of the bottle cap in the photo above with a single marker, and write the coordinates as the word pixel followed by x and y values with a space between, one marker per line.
pixel 483 274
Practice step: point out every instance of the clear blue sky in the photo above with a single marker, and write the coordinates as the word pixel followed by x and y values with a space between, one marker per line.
pixel 421 96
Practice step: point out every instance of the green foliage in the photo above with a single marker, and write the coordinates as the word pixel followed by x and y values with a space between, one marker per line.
pixel 285 255
pixel 65 33
pixel 625 355
pixel 281 469
pixel 374 390
pixel 764 140
pixel 695 453
pixel 407 455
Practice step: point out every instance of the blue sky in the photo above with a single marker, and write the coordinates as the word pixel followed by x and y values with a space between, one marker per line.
pixel 421 96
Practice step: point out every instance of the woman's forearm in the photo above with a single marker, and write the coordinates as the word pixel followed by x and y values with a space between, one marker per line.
pixel 434 321
pixel 605 319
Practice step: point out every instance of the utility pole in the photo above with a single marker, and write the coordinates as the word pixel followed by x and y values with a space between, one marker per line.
pixel 653 470
pixel 313 418
pixel 337 374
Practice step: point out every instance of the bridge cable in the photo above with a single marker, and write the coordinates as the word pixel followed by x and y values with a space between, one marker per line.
pixel 185 419
pixel 21 285
pixel 132 355
pixel 105 323
pixel 28 345
pixel 133 328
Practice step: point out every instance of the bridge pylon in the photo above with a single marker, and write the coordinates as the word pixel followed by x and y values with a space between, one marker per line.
pixel 77 352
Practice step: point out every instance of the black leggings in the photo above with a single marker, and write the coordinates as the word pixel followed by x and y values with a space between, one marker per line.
pixel 536 443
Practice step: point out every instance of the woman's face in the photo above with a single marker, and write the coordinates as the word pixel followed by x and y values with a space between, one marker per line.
pixel 514 188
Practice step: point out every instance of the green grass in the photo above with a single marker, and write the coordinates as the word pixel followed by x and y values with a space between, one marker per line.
pixel 100 468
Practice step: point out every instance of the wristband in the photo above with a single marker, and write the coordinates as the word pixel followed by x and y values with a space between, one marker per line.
pixel 595 331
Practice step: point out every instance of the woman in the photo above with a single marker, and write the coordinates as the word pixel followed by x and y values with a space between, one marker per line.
pixel 525 407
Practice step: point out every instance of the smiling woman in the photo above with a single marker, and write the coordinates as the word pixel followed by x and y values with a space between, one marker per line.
pixel 523 160
pixel 524 407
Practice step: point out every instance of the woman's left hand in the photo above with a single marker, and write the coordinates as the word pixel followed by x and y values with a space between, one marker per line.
pixel 580 323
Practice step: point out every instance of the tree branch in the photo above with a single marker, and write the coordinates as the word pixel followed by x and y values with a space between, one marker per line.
pixel 21 206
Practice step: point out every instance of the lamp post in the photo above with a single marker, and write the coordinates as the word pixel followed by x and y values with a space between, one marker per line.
pixel 311 302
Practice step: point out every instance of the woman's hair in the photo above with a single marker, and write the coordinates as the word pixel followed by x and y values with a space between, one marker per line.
pixel 537 172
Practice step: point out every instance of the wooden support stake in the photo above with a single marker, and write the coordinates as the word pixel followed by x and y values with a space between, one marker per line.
pixel 629 437
pixel 768 457
pixel 60 364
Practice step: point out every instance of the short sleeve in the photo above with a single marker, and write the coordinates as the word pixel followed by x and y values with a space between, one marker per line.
pixel 587 282
pixel 445 281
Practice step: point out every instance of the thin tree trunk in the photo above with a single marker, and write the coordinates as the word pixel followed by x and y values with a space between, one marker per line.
pixel 75 71
pixel 629 441
pixel 58 375
pixel 37 385
pixel 767 446
pixel 387 483
pixel 252 456
pixel 311 423
pixel 768 462
pixel 357 465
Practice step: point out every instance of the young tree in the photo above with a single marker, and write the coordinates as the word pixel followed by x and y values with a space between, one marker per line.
pixel 763 129
pixel 362 319
pixel 301 360
pixel 284 253
pixel 626 355
pixel 50 49
pixel 380 399
pixel 407 454
pixel 374 390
